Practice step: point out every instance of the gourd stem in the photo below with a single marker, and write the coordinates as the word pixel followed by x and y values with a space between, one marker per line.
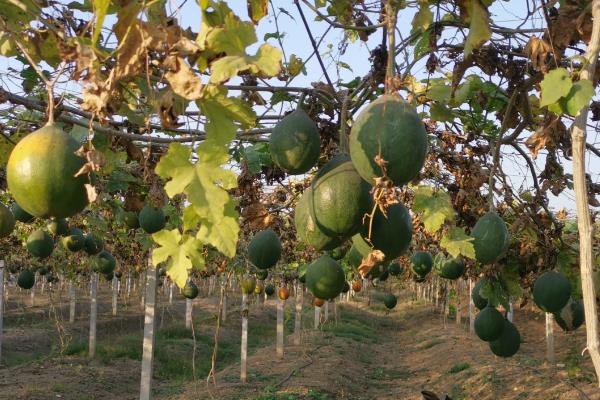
pixel 301 100
pixel 344 145
pixel 390 11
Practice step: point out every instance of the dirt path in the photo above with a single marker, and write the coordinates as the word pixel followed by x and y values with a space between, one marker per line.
pixel 373 356
pixel 366 355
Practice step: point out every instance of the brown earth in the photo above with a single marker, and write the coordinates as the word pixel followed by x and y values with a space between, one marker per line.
pixel 368 354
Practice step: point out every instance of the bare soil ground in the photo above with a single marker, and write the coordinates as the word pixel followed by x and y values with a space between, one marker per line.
pixel 367 354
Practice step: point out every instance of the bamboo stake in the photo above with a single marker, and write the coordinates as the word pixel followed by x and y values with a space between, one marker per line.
pixel 72 302
pixel 550 338
pixel 93 314
pixel 244 350
pixel 280 309
pixel 149 332
pixel 298 321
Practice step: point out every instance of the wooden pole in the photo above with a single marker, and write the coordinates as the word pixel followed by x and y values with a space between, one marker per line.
pixel 128 287
pixel 149 332
pixel 93 314
pixel 471 308
pixel 224 309
pixel 550 338
pixel 115 292
pixel 143 290
pixel 188 313
pixel 72 302
pixel 1 304
pixel 298 321
pixel 459 301
pixel 244 349
pixel 280 309
pixel 511 311
pixel 36 277
pixel 171 284
pixel 317 317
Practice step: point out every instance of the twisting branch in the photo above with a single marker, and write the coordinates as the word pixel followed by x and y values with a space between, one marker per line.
pixel 498 145
pixel 529 164
pixel 314 45
pixel 251 135
pixel 342 26
pixel 584 221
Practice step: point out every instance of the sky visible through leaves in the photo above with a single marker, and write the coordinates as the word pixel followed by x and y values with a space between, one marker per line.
pixel 351 61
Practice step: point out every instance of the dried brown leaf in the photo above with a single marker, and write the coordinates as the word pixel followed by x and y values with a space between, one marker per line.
pixel 547 136
pixel 95 160
pixel 183 80
pixel 257 217
pixel 584 25
pixel 537 50
pixel 92 195
pixel 156 194
pixel 372 259
pixel 166 110
pixel 564 28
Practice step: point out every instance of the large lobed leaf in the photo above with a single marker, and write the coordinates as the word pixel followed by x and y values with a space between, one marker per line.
pixel 211 213
pixel 456 242
pixel 436 207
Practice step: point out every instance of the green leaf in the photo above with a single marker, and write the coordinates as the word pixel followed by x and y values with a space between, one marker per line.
pixel 439 92
pixel 295 66
pixel 221 112
pixel 177 166
pixel 7 46
pixel 119 180
pixel 479 25
pixel 423 18
pixel 556 84
pixel 206 187
pixel 233 37
pixel 273 35
pixel 17 14
pixel 191 220
pixel 180 252
pixel 266 63
pixel 579 96
pixel 441 113
pixel 511 280
pixel 257 9
pixel 467 90
pixel 456 242
pixel 422 46
pixel 436 207
pixel 206 183
pixel 281 96
pixel 495 294
pixel 101 7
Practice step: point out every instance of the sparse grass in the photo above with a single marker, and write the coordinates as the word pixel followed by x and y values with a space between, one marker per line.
pixel 457 392
pixel 14 359
pixel 78 347
pixel 284 396
pixel 174 349
pixel 352 330
pixel 456 368
pixel 58 387
pixel 314 395
pixel 128 346
pixel 573 366
pixel 431 343
pixel 378 373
